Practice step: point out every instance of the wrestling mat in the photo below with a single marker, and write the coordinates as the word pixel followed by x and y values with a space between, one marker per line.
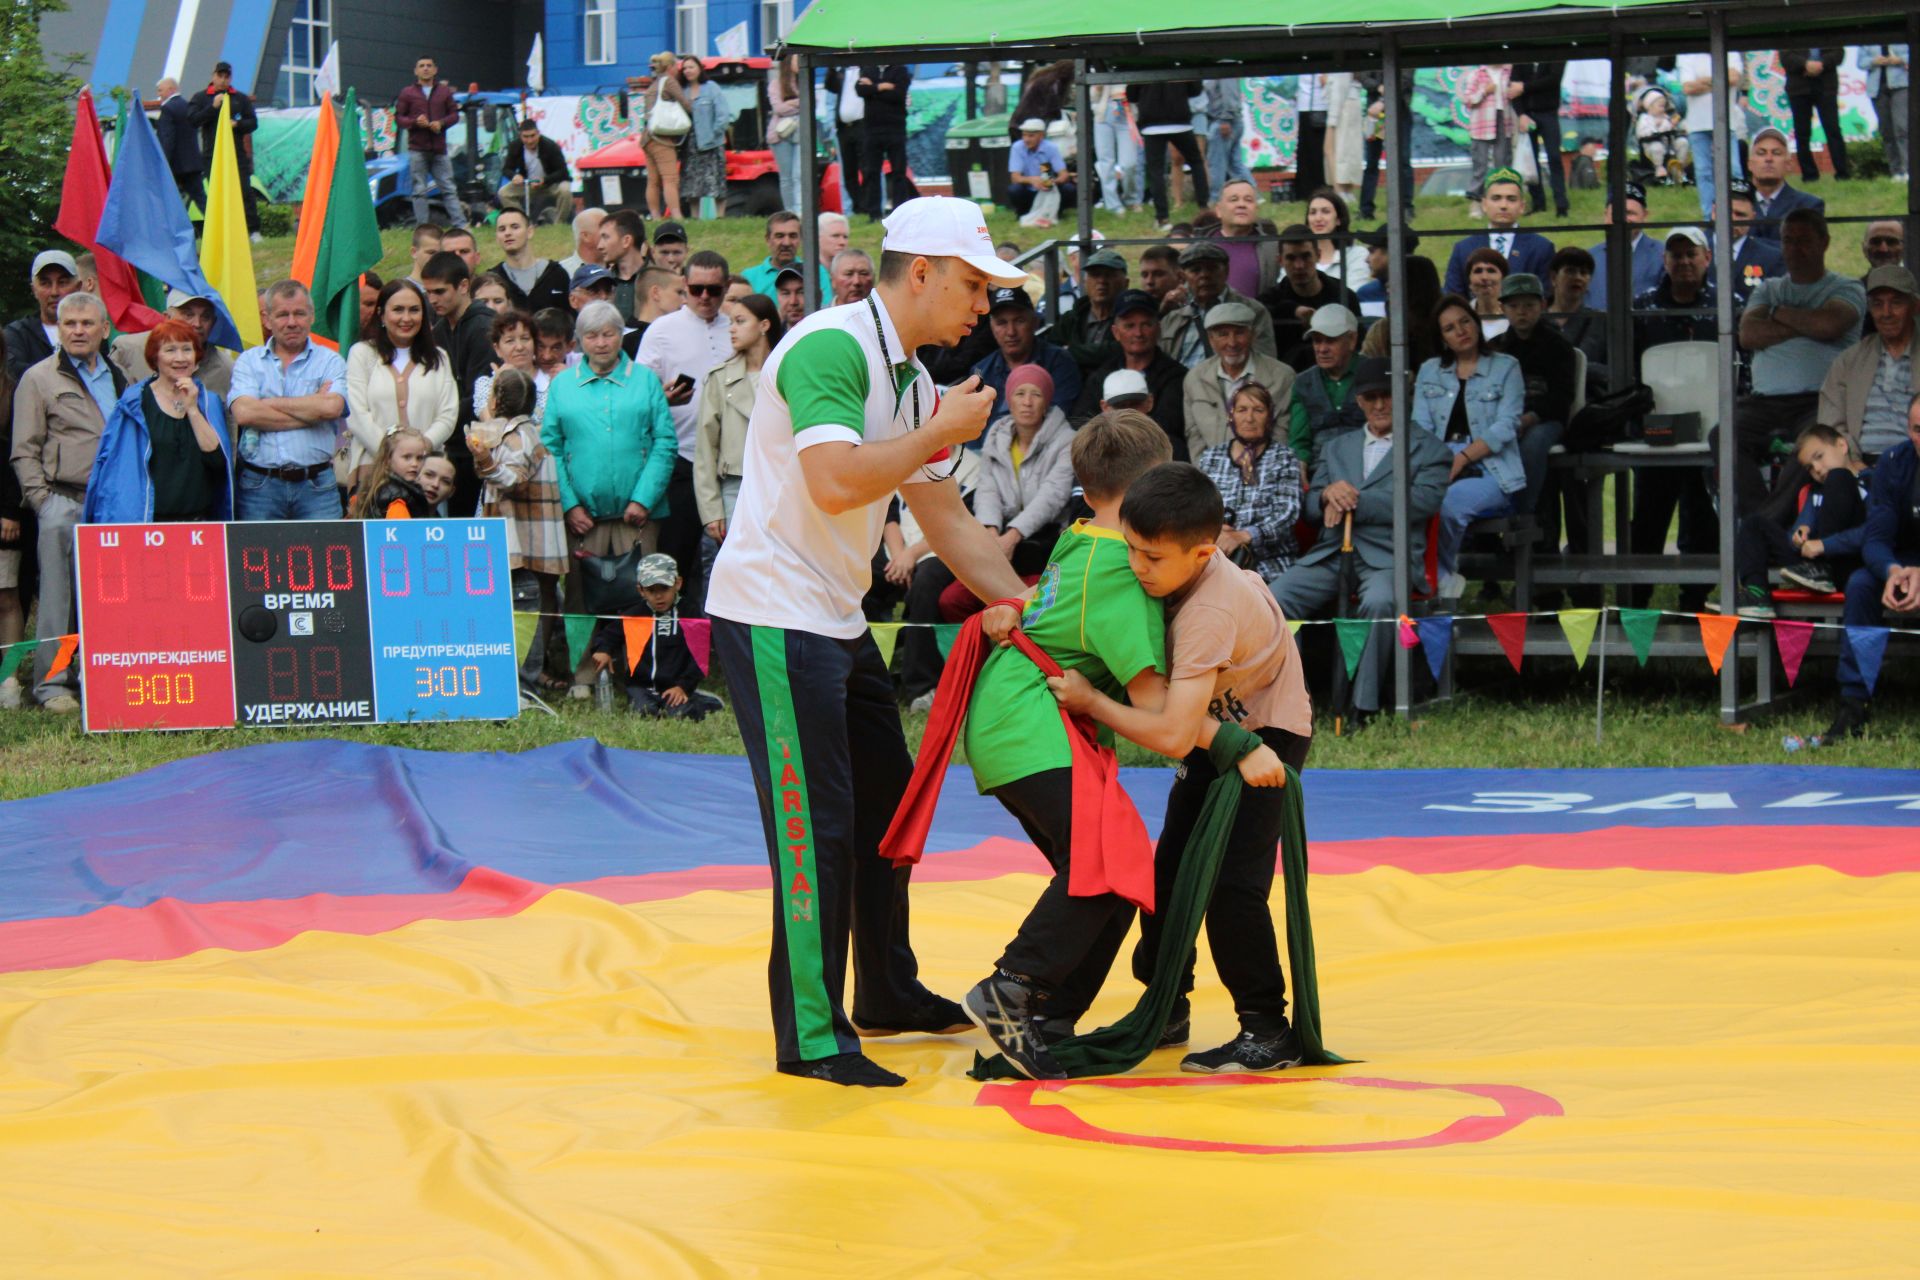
pixel 323 1009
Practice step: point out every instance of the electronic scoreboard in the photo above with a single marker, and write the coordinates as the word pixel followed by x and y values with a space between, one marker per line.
pixel 196 626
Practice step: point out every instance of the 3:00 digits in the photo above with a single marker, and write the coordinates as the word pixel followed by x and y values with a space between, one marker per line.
pixel 446 682
pixel 161 690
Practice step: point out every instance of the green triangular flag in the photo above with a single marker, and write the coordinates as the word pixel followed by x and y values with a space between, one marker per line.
pixel 1353 640
pixel 1640 624
pixel 349 239
pixel 1578 625
pixel 944 634
pixel 579 635
pixel 10 659
pixel 885 636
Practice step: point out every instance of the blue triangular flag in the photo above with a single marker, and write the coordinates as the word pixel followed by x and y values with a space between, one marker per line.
pixel 1436 636
pixel 1869 648
pixel 145 222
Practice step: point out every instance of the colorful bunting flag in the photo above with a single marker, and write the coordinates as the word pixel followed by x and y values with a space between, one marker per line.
pixel 1792 639
pixel 83 193
pixel 1436 637
pixel 944 634
pixel 1869 649
pixel 638 633
pixel 1408 636
pixel 14 654
pixel 1510 629
pixel 579 635
pixel 350 240
pixel 1640 624
pixel 524 626
pixel 63 656
pixel 1716 633
pixel 886 635
pixel 1293 625
pixel 226 255
pixel 1578 625
pixel 699 634
pixel 1353 640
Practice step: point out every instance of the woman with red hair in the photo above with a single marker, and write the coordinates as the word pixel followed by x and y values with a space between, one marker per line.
pixel 165 454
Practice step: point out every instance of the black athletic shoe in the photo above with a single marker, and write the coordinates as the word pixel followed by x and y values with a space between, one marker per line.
pixel 1811 575
pixel 1176 1032
pixel 1054 1030
pixel 844 1068
pixel 1249 1051
pixel 935 1016
pixel 1007 1010
pixel 1850 723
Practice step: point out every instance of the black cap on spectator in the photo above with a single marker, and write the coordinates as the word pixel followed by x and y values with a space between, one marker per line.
pixel 1202 251
pixel 1135 300
pixel 223 68
pixel 1016 298
pixel 1372 374
pixel 1377 239
pixel 1634 191
pixel 1740 187
pixel 669 233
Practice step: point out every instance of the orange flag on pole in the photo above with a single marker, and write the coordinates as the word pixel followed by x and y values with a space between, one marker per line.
pixel 639 633
pixel 1716 633
pixel 313 205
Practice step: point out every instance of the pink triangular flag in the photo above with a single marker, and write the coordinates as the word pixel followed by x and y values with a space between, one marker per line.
pixel 699 634
pixel 1792 639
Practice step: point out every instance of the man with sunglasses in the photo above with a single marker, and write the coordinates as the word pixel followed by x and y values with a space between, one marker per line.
pixel 681 347
pixel 846 417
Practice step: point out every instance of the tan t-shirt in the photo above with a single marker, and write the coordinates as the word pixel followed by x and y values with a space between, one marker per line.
pixel 1228 623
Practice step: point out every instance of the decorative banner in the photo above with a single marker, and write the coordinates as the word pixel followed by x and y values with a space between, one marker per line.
pixel 1578 624
pixel 1510 629
pixel 1436 637
pixel 1640 624
pixel 944 634
pixel 1716 633
pixel 885 636
pixel 579 635
pixel 699 634
pixel 638 633
pixel 1353 634
pixel 10 660
pixel 1294 625
pixel 1869 648
pixel 64 655
pixel 1792 638
pixel 525 625
pixel 1408 636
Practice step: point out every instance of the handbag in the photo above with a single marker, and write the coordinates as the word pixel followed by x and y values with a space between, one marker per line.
pixel 609 584
pixel 1526 160
pixel 785 127
pixel 1608 419
pixel 669 120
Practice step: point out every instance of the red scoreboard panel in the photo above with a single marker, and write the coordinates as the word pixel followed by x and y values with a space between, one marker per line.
pixel 153 608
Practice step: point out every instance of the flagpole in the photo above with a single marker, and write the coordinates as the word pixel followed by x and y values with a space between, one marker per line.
pixel 1600 689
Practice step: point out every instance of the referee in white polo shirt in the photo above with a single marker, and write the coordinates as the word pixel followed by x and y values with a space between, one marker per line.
pixel 845 417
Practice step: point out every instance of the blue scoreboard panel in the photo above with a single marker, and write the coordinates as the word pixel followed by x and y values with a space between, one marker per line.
pixel 441 599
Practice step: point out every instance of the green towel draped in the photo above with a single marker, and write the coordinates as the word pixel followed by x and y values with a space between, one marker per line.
pixel 1126 1044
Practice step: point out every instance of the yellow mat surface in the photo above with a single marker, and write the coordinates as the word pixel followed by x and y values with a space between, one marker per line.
pixel 1566 1073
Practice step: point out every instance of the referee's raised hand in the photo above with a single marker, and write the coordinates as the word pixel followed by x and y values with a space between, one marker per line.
pixel 962 414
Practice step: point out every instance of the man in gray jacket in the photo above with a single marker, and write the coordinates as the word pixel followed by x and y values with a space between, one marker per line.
pixel 1354 476
pixel 1210 385
pixel 1869 385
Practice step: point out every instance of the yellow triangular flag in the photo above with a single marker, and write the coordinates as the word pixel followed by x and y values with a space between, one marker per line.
pixel 1578 625
pixel 1293 626
pixel 226 256
pixel 885 636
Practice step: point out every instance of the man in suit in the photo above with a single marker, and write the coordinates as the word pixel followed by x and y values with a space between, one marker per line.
pixel 1773 198
pixel 179 132
pixel 1355 477
pixel 1645 255
pixel 206 109
pixel 1813 82
pixel 884 152
pixel 1754 259
pixel 1505 196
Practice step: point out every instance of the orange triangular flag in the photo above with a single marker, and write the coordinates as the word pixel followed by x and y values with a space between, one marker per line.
pixel 64 654
pixel 639 633
pixel 1510 629
pixel 1716 633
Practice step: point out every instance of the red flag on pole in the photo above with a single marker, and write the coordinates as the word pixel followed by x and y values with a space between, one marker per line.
pixel 1510 629
pixel 83 194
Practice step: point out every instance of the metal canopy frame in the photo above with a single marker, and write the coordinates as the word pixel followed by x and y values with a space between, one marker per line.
pixel 1397 47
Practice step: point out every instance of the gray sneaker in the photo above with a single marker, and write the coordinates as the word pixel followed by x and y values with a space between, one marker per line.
pixel 1007 1009
pixel 1811 575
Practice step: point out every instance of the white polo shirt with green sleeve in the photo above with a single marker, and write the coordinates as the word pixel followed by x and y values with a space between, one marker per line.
pixel 785 562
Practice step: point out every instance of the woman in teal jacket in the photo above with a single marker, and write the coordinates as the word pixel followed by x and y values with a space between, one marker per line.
pixel 1472 399
pixel 165 453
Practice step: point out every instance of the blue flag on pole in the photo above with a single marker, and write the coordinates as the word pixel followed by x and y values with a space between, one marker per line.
pixel 1436 636
pixel 1869 650
pixel 145 223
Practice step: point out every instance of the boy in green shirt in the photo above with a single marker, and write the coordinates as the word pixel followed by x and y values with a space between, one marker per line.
pixel 1089 614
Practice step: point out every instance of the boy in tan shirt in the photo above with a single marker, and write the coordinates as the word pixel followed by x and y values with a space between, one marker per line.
pixel 1232 659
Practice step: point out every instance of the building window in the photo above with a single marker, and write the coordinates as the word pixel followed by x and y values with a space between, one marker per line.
pixel 309 36
pixel 776 19
pixel 690 27
pixel 600 41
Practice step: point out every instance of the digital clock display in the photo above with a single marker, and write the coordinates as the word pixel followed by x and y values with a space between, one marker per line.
pixel 301 641
pixel 153 611
pixel 441 599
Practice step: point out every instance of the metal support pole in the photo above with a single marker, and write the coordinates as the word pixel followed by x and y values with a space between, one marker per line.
pixel 1913 132
pixel 1723 309
pixel 1397 202
pixel 1083 162
pixel 1619 237
pixel 810 188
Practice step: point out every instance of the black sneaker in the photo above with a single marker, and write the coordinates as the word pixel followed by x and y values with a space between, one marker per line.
pixel 1811 575
pixel 1054 1030
pixel 1753 602
pixel 1006 1008
pixel 1249 1051
pixel 935 1016
pixel 1178 1028
pixel 1850 723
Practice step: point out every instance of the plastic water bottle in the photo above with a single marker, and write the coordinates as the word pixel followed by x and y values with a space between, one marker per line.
pixel 603 691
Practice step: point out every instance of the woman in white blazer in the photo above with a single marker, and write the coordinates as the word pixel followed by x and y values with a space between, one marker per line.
pixel 397 376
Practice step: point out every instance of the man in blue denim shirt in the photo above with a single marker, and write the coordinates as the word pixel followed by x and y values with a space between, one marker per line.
pixel 288 403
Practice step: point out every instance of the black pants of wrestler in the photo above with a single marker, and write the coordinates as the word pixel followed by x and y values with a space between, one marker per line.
pixel 829 764
pixel 1246 952
pixel 1062 930
pixel 680 531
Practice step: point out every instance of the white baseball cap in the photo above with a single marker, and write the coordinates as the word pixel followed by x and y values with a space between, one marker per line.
pixel 1033 124
pixel 1122 383
pixel 54 258
pixel 1332 321
pixel 948 227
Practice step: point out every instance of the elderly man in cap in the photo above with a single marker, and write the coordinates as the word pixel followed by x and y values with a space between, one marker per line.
pixel 1040 184
pixel 1014 324
pixel 1868 387
pixel 1183 326
pixel 1754 259
pixel 1354 477
pixel 1210 385
pixel 1302 291
pixel 1086 331
pixel 1323 400
pixel 35 336
pixel 1548 364
pixel 1136 337
pixel 129 350
pixel 1768 156
pixel 1644 250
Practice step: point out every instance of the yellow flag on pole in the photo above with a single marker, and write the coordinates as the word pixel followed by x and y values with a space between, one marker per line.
pixel 226 256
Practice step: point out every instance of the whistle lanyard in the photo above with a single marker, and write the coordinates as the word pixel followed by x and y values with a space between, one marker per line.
pixel 886 357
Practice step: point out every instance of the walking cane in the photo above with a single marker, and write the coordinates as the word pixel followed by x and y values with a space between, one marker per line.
pixel 1343 591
